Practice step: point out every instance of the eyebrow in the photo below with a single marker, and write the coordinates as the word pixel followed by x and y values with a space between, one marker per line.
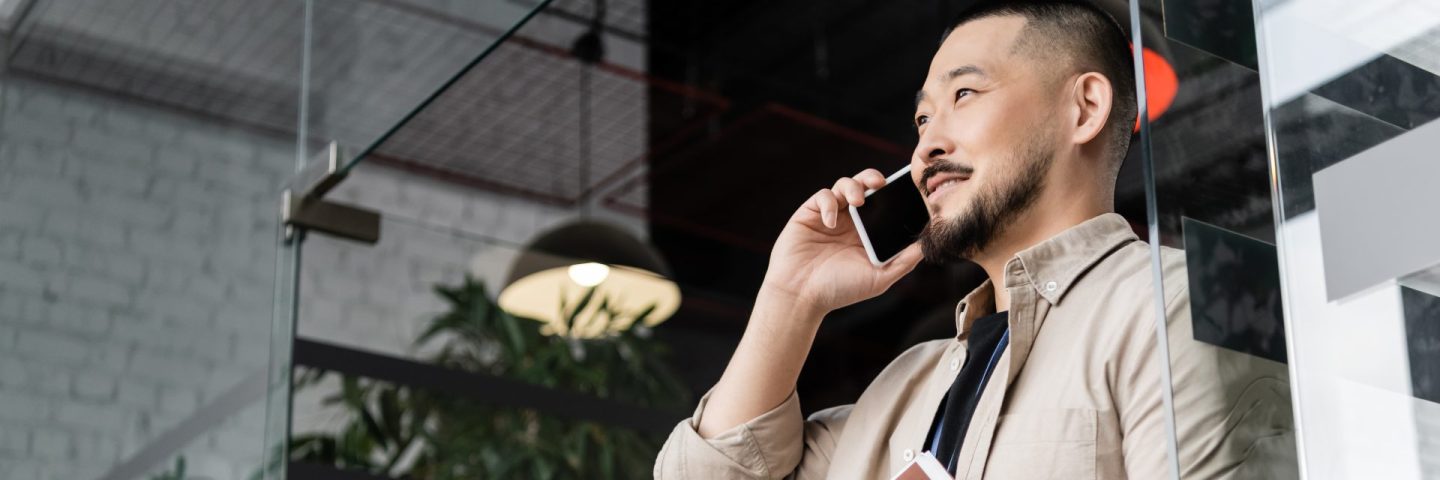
pixel 951 75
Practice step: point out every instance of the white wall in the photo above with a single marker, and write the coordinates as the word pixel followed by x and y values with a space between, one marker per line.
pixel 137 252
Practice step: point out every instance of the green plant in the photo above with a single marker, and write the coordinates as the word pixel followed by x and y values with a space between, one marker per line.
pixel 177 473
pixel 405 432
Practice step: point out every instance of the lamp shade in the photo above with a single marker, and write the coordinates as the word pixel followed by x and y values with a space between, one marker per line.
pixel 552 277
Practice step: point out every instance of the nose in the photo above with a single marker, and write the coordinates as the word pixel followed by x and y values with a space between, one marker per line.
pixel 934 144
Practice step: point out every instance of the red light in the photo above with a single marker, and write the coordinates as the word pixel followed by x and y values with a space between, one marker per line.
pixel 1160 85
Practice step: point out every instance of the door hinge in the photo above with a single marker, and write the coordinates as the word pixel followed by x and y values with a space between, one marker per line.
pixel 303 206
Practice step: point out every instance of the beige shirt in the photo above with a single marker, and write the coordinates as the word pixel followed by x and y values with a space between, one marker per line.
pixel 1082 394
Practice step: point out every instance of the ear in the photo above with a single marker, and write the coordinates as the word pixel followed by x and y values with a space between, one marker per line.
pixel 1091 97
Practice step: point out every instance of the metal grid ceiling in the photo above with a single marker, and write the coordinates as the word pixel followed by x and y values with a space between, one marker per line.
pixel 236 60
pixel 515 121
pixel 627 15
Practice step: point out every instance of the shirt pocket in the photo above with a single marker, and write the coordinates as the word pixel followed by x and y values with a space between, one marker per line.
pixel 1044 444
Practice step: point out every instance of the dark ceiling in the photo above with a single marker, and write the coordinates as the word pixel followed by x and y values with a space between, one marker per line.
pixel 853 62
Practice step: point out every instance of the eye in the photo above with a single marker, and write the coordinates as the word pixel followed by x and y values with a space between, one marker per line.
pixel 962 93
pixel 921 120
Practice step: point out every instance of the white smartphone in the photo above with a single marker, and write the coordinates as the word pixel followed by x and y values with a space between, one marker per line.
pixel 924 467
pixel 892 217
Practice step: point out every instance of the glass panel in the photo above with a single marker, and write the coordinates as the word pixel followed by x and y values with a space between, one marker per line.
pixel 374 64
pixel 407 332
pixel 279 386
pixel 1351 137
pixel 1209 201
pixel 143 148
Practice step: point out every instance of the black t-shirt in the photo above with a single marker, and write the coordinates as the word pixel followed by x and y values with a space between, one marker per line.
pixel 953 418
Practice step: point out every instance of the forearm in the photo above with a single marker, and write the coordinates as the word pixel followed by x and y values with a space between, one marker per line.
pixel 766 364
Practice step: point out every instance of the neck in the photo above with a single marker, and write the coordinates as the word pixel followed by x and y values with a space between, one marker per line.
pixel 1046 218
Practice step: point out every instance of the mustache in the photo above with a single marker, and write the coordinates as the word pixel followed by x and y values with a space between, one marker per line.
pixel 940 167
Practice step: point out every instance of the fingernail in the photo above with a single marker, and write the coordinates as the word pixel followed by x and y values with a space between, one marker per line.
pixel 830 220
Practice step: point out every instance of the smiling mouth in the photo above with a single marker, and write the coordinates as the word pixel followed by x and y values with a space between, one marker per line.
pixel 942 176
pixel 943 182
pixel 945 186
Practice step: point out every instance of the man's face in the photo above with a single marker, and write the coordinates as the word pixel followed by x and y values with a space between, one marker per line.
pixel 984 116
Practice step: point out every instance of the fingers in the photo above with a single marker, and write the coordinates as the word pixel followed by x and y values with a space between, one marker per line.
pixel 852 189
pixel 825 202
pixel 846 191
pixel 871 178
pixel 849 190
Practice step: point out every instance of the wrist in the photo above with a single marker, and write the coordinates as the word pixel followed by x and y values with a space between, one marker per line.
pixel 774 304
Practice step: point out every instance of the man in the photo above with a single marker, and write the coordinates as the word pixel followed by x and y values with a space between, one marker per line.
pixel 1024 119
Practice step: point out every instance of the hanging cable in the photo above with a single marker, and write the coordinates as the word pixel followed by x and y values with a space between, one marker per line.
pixel 589 48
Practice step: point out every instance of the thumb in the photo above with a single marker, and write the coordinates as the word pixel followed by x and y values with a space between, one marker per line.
pixel 902 264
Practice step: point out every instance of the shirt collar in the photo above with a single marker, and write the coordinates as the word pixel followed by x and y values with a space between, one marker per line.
pixel 1050 267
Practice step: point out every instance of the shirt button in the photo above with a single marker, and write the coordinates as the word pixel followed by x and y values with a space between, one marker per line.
pixel 1050 286
pixel 909 455
pixel 954 364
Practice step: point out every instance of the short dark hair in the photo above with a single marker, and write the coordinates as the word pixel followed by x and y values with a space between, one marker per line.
pixel 1088 37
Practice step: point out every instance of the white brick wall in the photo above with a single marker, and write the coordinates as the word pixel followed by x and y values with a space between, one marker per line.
pixel 137 253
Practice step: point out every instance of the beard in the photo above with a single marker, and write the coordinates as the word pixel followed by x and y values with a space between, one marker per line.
pixel 964 235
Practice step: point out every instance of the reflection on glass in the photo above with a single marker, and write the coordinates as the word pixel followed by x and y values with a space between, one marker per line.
pixel 142 148
pixel 374 64
pixel 1234 291
pixel 1225 341
pixel 1422 335
pixel 1351 141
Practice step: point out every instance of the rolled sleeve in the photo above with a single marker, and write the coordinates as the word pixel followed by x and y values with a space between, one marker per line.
pixel 771 445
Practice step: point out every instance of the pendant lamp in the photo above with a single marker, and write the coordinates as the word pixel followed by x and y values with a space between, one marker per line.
pixel 553 275
pixel 588 278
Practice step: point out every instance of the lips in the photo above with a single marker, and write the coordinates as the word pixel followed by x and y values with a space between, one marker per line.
pixel 938 182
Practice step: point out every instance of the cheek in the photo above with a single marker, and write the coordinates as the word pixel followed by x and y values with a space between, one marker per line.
pixel 987 126
pixel 977 139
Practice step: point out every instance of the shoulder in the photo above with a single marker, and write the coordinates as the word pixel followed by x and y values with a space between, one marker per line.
pixel 1134 259
pixel 911 364
pixel 1130 271
pixel 891 383
pixel 1117 296
pixel 919 354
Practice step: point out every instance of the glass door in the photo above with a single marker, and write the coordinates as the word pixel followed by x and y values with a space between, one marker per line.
pixel 144 283
pixel 1205 182
pixel 404 363
pixel 1351 93
pixel 157 180
pixel 1291 175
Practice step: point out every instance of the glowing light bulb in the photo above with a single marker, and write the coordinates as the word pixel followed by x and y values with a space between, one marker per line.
pixel 589 274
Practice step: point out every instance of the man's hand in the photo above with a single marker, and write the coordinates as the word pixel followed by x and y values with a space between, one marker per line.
pixel 818 259
pixel 818 265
